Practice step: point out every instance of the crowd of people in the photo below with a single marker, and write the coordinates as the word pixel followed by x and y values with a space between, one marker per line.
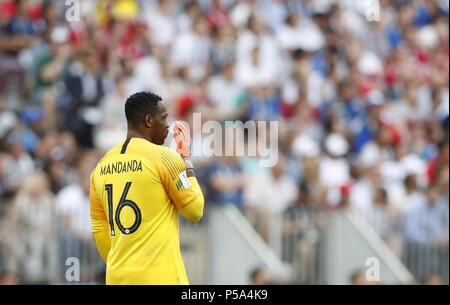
pixel 362 109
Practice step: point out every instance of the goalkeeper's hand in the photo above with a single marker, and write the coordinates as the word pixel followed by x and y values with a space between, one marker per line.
pixel 183 140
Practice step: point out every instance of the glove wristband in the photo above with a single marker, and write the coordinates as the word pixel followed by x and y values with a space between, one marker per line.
pixel 188 162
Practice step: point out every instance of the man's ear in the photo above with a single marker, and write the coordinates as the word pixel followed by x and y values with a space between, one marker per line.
pixel 148 121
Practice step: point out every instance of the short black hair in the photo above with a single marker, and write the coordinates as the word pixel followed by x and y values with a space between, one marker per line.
pixel 139 105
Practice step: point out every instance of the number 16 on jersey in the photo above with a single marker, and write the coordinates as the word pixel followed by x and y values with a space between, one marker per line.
pixel 122 203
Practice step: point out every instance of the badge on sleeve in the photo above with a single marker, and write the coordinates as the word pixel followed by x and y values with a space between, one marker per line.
pixel 184 180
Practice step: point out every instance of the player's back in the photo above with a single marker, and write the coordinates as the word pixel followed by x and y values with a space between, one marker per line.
pixel 133 183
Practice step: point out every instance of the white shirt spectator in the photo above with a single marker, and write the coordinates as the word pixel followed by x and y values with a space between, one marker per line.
pixel 371 154
pixel 418 108
pixel 255 71
pixel 148 69
pixel 268 49
pixel 190 49
pixel 223 93
pixel 16 170
pixel 162 26
pixel 7 120
pixel 393 175
pixel 315 82
pixel 361 197
pixel 269 194
pixel 306 36
pixel 73 203
pixel 290 91
pixel 333 173
pixel 413 164
pixel 240 12
pixel 370 64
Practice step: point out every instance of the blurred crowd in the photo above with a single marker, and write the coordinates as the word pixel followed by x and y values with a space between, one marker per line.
pixel 362 109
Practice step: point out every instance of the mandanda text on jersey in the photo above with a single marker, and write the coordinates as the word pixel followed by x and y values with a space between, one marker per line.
pixel 121 167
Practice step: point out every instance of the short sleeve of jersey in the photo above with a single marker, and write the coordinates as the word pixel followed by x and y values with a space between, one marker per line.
pixel 174 180
pixel 97 211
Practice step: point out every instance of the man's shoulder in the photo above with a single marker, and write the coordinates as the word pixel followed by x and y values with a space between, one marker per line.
pixel 113 151
pixel 149 149
pixel 169 151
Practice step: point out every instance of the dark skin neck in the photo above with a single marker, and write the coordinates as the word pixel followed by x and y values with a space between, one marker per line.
pixel 134 132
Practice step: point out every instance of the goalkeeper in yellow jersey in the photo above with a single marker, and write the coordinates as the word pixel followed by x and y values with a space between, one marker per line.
pixel 137 189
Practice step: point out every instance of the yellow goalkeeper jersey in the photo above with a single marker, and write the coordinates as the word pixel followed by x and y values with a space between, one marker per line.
pixel 138 188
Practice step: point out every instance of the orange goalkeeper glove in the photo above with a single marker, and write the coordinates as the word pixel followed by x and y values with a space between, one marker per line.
pixel 183 140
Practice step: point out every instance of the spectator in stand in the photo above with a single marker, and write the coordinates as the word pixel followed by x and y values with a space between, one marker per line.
pixel 257 46
pixel 73 210
pixel 227 178
pixel 273 191
pixel 161 23
pixel 17 164
pixel 223 47
pixel 226 94
pixel 52 66
pixel 32 231
pixel 379 215
pixel 270 194
pixel 191 11
pixel 425 227
pixel 334 170
pixel 192 48
pixel 425 219
pixel 113 126
pixel 85 87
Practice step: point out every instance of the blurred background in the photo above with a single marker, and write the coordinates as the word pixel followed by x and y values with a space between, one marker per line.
pixel 362 181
